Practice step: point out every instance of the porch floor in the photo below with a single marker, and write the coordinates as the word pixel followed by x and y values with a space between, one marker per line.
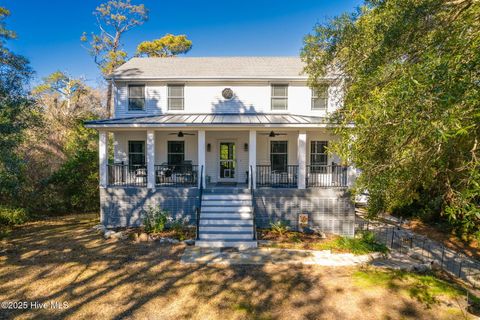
pixel 231 185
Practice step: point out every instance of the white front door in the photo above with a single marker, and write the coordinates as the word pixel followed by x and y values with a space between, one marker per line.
pixel 227 161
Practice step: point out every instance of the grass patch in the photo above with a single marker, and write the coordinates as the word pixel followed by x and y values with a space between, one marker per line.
pixel 363 243
pixel 427 289
pixel 10 216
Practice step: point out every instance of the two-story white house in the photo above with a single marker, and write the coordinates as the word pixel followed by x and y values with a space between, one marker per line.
pixel 229 142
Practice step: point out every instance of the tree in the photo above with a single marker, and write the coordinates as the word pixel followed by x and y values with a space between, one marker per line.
pixel 412 74
pixel 60 83
pixel 167 46
pixel 51 150
pixel 17 113
pixel 64 101
pixel 114 19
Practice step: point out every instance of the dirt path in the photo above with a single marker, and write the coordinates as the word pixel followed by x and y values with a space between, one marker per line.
pixel 64 260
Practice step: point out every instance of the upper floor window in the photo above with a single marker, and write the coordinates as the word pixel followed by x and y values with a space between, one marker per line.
pixel 175 97
pixel 320 98
pixel 279 97
pixel 136 97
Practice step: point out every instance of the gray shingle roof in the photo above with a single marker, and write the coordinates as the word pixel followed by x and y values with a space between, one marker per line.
pixel 218 119
pixel 212 68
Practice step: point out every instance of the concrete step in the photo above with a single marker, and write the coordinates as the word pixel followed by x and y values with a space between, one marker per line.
pixel 226 221
pixel 231 243
pixel 227 202
pixel 220 190
pixel 225 209
pixel 226 235
pixel 226 228
pixel 227 215
pixel 226 197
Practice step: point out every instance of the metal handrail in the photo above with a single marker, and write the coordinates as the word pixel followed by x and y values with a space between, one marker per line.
pixel 253 205
pixel 198 211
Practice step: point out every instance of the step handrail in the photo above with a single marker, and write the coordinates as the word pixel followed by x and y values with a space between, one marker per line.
pixel 253 206
pixel 199 207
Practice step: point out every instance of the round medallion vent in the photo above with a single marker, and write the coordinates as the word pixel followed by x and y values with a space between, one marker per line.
pixel 227 93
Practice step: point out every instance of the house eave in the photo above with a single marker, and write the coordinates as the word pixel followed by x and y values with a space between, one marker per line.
pixel 229 126
pixel 213 78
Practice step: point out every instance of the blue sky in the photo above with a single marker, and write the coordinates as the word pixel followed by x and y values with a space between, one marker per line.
pixel 49 31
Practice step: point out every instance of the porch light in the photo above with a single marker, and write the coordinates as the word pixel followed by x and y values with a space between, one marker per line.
pixel 209 147
pixel 245 147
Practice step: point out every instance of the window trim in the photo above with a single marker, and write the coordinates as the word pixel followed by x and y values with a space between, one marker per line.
pixel 279 153
pixel 315 96
pixel 175 153
pixel 143 98
pixel 176 97
pixel 135 153
pixel 272 97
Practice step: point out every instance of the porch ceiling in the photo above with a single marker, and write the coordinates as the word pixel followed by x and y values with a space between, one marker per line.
pixel 215 120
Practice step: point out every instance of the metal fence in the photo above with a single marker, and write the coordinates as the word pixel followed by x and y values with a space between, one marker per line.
pixel 326 176
pixel 185 175
pixel 127 175
pixel 422 248
pixel 286 178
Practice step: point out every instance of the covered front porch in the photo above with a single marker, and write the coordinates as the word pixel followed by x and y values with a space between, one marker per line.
pixel 273 157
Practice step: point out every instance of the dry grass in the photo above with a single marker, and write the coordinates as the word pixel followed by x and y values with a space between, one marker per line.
pixel 64 260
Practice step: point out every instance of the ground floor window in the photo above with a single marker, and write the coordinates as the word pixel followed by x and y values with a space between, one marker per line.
pixel 176 152
pixel 318 155
pixel 279 155
pixel 136 153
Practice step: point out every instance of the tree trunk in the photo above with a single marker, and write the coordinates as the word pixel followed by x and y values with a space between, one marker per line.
pixel 109 99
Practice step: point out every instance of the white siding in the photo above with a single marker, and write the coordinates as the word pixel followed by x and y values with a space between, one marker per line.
pixel 120 144
pixel 206 97
pixel 161 147
pixel 213 157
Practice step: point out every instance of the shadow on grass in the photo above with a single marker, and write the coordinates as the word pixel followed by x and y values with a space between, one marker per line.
pixel 65 260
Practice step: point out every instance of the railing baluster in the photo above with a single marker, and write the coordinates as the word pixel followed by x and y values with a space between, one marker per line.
pixel 326 176
pixel 124 175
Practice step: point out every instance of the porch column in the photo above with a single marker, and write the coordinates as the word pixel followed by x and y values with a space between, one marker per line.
pixel 302 159
pixel 201 156
pixel 252 158
pixel 150 159
pixel 103 157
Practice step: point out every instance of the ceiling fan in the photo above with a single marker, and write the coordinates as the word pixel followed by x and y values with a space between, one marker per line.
pixel 180 134
pixel 274 134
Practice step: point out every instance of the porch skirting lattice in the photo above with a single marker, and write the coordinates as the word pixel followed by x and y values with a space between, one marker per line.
pixel 330 210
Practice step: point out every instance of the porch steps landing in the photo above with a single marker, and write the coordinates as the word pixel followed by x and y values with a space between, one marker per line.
pixel 226 219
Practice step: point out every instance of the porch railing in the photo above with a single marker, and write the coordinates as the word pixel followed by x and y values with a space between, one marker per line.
pixel 127 175
pixel 184 175
pixel 326 176
pixel 286 177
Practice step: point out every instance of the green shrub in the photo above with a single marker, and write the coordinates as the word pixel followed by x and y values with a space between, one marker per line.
pixel 12 216
pixel 279 228
pixel 362 244
pixel 155 219
pixel 180 226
